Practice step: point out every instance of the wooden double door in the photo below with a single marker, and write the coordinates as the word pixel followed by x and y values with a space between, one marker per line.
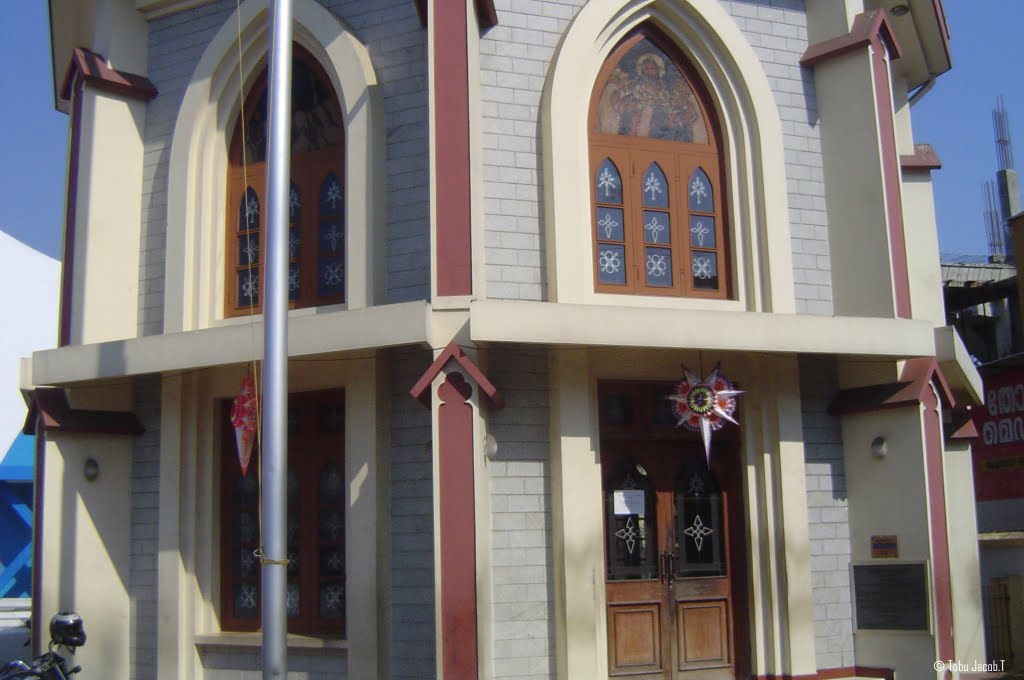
pixel 670 529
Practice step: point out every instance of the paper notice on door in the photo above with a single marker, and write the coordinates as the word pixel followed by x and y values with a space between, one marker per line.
pixel 629 502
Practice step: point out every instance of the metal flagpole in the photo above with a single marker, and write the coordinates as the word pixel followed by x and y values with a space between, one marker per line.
pixel 275 348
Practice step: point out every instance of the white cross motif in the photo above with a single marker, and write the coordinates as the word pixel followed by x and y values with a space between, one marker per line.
pixel 333 236
pixel 697 531
pixel 628 534
pixel 699 231
pixel 609 261
pixel 247 598
pixel 607 181
pixel 696 486
pixel 702 268
pixel 608 223
pixel 655 227
pixel 698 190
pixel 656 266
pixel 332 274
pixel 652 185
pixel 334 194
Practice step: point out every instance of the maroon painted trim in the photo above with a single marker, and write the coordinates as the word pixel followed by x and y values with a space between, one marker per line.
pixel 940 536
pixel 486 14
pixel 891 180
pixel 50 410
pixel 453 351
pixel 940 17
pixel 67 274
pixel 450 90
pixel 94 70
pixel 912 388
pixel 457 509
pixel 867 28
pixel 961 427
pixel 37 540
pixel 923 158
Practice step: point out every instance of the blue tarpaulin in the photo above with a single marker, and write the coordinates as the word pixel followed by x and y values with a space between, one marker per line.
pixel 18 464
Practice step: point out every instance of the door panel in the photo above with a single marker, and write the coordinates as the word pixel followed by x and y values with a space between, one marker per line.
pixel 703 636
pixel 634 635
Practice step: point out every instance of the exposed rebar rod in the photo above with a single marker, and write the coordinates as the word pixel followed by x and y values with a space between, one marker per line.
pixel 275 348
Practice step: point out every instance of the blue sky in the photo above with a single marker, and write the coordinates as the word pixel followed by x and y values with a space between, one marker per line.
pixel 955 117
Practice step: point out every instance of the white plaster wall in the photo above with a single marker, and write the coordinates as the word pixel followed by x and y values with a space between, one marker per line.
pixel 29 281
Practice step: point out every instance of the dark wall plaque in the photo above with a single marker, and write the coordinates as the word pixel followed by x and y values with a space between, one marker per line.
pixel 891 596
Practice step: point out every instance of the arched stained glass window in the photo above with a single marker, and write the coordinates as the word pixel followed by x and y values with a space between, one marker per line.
pixel 630 508
pixel 317 167
pixel 658 218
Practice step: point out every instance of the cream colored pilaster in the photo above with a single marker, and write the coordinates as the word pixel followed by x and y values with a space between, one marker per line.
pixel 121 35
pixel 108 213
pixel 484 525
pixel 964 566
pixel 577 521
pixel 830 18
pixel 361 535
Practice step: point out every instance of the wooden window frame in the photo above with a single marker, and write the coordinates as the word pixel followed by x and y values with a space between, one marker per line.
pixel 679 161
pixel 308 170
pixel 309 452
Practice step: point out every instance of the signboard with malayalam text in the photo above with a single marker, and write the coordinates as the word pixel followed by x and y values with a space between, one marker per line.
pixel 998 451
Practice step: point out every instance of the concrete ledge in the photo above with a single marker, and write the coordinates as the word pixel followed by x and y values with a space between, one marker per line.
pixel 601 325
pixel 337 331
pixel 254 640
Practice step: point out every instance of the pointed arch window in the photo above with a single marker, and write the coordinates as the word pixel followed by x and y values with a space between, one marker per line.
pixel 316 204
pixel 659 226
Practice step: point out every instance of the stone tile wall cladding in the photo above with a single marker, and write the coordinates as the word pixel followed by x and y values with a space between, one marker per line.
pixel 514 61
pixel 145 499
pixel 226 663
pixel 397 43
pixel 412 523
pixel 827 515
pixel 520 477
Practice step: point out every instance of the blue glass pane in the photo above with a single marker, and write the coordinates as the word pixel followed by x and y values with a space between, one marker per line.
pixel 248 287
pixel 248 565
pixel 656 227
pixel 611 264
pixel 705 271
pixel 332 526
pixel 294 281
pixel 249 211
pixel 294 204
pixel 702 231
pixel 332 488
pixel 248 249
pixel 332 600
pixel 332 561
pixel 658 266
pixel 294 244
pixel 608 183
pixel 246 598
pixel 330 277
pixel 332 237
pixel 702 196
pixel 292 600
pixel 609 224
pixel 655 187
pixel 331 199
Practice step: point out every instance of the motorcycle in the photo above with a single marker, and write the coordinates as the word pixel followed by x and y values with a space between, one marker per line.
pixel 67 631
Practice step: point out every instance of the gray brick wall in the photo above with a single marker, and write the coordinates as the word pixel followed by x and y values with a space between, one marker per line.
pixel 412 524
pixel 514 60
pixel 176 44
pixel 515 57
pixel 145 498
pixel 225 663
pixel 397 43
pixel 827 515
pixel 523 617
pixel 777 31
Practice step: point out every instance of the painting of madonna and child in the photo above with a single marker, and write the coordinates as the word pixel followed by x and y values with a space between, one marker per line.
pixel 647 96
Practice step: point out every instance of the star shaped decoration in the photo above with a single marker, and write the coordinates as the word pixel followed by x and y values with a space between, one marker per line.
pixel 704 405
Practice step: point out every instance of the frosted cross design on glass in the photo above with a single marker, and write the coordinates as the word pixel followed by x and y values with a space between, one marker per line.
pixel 702 268
pixel 655 227
pixel 247 598
pixel 699 231
pixel 695 486
pixel 334 236
pixel 629 534
pixel 293 280
pixel 607 181
pixel 250 286
pixel 697 531
pixel 293 200
pixel 293 599
pixel 698 190
pixel 252 209
pixel 334 525
pixel 252 250
pixel 334 562
pixel 652 186
pixel 608 224
pixel 334 194
pixel 656 265
pixel 332 597
pixel 609 261
pixel 332 274
pixel 293 243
